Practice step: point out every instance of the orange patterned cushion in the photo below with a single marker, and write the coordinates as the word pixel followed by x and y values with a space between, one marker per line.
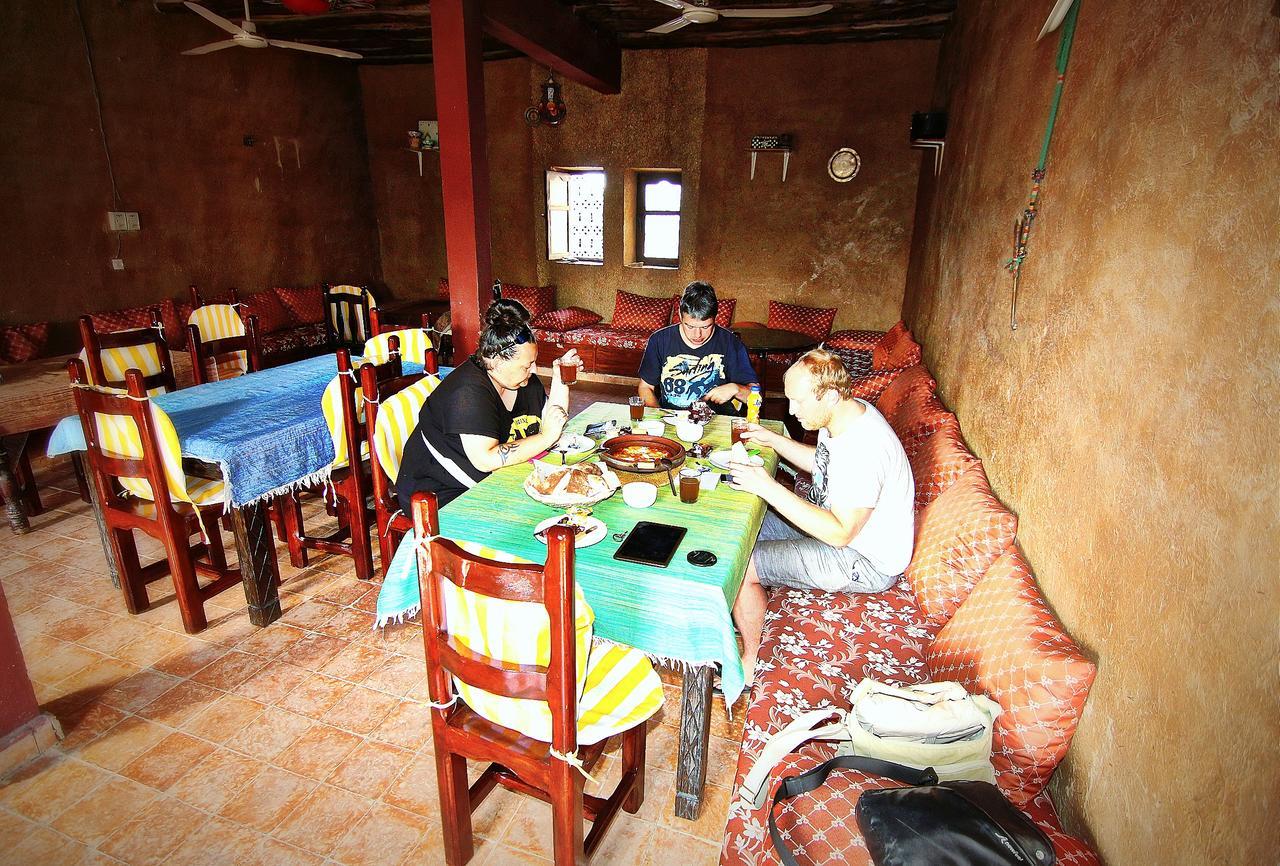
pixel 639 312
pixel 905 395
pixel 21 343
pixel 939 460
pixel 536 299
pixel 897 349
pixel 566 319
pixel 814 321
pixel 110 321
pixel 272 314
pixel 872 385
pixel 306 303
pixel 1004 642
pixel 853 340
pixel 933 415
pixel 724 310
pixel 958 536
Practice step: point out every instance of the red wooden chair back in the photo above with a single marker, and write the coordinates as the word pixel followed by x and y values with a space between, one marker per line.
pixel 96 342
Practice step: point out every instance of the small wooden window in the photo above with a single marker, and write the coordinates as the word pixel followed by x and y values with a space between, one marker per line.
pixel 575 215
pixel 657 212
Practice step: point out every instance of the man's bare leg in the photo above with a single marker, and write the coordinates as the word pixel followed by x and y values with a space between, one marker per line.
pixel 748 613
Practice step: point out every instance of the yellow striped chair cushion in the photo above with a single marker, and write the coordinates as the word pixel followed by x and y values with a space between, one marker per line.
pixel 353 328
pixel 414 344
pixel 120 437
pixel 617 685
pixel 331 404
pixel 397 418
pixel 115 362
pixel 217 322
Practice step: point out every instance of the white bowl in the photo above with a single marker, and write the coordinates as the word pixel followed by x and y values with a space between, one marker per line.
pixel 651 427
pixel 639 494
pixel 688 431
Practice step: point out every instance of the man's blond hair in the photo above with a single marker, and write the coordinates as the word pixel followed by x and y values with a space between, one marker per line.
pixel 828 373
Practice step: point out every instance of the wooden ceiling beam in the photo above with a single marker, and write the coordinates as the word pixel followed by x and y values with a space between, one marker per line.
pixel 552 35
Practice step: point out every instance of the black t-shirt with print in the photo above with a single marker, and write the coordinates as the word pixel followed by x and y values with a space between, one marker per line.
pixel 683 375
pixel 465 403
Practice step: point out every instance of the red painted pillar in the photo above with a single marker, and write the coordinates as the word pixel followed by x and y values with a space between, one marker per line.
pixel 17 699
pixel 464 164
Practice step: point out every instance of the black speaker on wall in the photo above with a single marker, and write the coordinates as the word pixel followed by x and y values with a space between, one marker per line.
pixel 928 125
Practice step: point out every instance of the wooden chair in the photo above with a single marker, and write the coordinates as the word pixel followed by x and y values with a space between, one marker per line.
pixel 390 416
pixel 222 345
pixel 135 461
pixel 461 730
pixel 199 300
pixel 415 343
pixel 108 355
pixel 348 310
pixel 342 403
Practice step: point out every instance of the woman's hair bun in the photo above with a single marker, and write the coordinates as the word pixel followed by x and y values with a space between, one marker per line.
pixel 506 314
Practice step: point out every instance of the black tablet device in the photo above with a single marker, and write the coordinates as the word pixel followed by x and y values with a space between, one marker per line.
pixel 650 543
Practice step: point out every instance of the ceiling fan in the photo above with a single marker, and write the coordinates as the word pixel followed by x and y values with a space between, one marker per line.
pixel 245 35
pixel 699 13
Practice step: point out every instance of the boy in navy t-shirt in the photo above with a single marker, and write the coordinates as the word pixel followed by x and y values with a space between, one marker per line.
pixel 696 359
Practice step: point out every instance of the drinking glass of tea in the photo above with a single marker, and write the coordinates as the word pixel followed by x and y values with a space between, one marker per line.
pixel 636 404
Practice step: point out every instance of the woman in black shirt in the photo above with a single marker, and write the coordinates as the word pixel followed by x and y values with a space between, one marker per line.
pixel 490 412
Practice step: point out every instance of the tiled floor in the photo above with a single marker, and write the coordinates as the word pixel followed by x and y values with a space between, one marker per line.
pixel 305 742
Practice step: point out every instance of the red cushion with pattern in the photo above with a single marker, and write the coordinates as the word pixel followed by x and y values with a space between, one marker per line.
pixel 538 300
pixel 932 417
pixel 1004 642
pixel 566 319
pixel 724 310
pixel 609 337
pixel 872 385
pixel 939 460
pixel 21 343
pixel 958 536
pixel 305 303
pixel 442 287
pixel 905 395
pixel 895 350
pixel 814 321
pixel 640 312
pixel 272 314
pixel 853 339
pixel 110 321
pixel 174 321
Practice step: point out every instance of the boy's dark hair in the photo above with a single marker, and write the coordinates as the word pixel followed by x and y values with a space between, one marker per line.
pixel 699 301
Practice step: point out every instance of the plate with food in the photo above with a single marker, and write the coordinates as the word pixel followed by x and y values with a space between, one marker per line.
pixel 586 530
pixel 579 484
pixel 642 453
pixel 737 454
pixel 572 445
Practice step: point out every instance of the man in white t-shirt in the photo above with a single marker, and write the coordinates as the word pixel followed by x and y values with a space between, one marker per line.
pixel 854 530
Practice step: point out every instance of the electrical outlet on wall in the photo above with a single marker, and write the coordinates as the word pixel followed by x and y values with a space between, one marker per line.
pixel 117 264
pixel 123 221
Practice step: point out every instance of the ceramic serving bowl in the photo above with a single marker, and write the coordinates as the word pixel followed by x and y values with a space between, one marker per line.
pixel 639 494
pixel 688 431
pixel 651 427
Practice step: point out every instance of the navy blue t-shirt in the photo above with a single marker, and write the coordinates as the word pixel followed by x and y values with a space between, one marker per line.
pixel 682 375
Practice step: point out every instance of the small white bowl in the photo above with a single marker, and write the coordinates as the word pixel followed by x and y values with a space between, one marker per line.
pixel 709 479
pixel 688 431
pixel 652 427
pixel 639 494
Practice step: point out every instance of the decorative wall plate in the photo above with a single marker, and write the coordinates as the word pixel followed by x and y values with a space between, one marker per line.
pixel 844 164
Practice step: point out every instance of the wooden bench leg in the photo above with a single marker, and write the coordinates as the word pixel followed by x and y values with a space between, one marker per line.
pixel 258 570
pixel 13 505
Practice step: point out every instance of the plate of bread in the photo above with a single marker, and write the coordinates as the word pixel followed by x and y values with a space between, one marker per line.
pixel 737 454
pixel 561 486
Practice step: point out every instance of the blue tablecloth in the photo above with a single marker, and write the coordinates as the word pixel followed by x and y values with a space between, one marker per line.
pixel 265 430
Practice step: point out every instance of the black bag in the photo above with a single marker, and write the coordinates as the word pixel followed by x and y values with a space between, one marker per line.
pixel 930 824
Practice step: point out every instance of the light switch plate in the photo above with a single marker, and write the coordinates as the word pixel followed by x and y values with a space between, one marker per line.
pixel 123 221
pixel 117 264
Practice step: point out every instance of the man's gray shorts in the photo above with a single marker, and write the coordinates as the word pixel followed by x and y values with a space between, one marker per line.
pixel 786 557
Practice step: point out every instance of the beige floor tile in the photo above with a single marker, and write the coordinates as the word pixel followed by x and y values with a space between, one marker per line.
pixel 153 833
pixel 215 781
pixel 223 718
pixel 156 646
pixel 315 696
pixel 115 632
pixel 371 768
pixel 273 682
pixel 269 734
pixel 104 810
pixel 273 852
pixel 312 651
pixel 121 744
pixel 267 799
pixel 47 848
pixel 711 819
pixel 668 846
pixel 186 661
pixel 361 710
pixel 167 761
pixel 408 726
pixel 382 838
pixel 625 842
pixel 50 660
pixel 396 676
pixel 230 670
pixel 349 624
pixel 92 681
pixel 216 841
pixel 310 615
pixel 180 703
pixel 57 788
pixel 269 642
pixel 135 692
pixel 530 828
pixel 416 789
pixel 87 723
pixel 318 752
pixel 356 662
pixel 322 819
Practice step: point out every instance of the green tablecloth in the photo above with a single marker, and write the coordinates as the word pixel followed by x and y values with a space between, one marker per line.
pixel 679 614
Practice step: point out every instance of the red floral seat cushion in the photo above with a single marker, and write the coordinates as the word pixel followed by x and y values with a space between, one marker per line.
pixel 724 310
pixel 958 536
pixel 609 337
pixel 814 321
pixel 939 460
pixel 306 303
pixel 640 312
pixel 1004 642
pixel 110 321
pixel 22 343
pixel 566 320
pixel 896 350
pixel 272 314
pixel 538 300
pixel 295 339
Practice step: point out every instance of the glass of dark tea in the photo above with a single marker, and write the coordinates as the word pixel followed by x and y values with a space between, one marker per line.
pixel 736 426
pixel 637 408
pixel 690 484
pixel 569 373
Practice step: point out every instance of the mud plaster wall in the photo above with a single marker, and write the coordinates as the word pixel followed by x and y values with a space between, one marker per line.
pixel 1131 419
pixel 811 240
pixel 292 209
pixel 410 213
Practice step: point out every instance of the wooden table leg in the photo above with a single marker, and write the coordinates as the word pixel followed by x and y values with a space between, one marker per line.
pixel 695 735
pixel 12 495
pixel 112 568
pixel 258 571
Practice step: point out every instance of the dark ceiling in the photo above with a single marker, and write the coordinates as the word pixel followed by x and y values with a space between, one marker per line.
pixel 399 31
